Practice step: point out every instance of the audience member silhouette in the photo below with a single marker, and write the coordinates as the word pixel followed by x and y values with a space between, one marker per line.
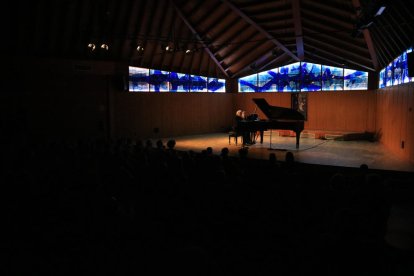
pixel 105 199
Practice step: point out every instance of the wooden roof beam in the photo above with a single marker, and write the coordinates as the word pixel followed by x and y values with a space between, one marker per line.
pixel 198 37
pixel 298 28
pixel 368 40
pixel 260 29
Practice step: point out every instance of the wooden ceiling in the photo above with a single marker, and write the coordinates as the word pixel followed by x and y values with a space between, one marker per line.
pixel 228 38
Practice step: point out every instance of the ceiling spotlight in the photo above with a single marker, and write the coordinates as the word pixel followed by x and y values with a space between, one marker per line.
pixel 380 10
pixel 188 51
pixel 140 48
pixel 91 46
pixel 105 46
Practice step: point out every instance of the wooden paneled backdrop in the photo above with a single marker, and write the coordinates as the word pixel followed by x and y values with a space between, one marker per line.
pixel 395 119
pixel 48 104
pixel 350 111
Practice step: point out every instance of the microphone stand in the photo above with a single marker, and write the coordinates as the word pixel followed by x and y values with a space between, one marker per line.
pixel 270 144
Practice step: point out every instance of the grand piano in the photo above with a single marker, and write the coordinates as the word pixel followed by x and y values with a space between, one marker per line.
pixel 278 118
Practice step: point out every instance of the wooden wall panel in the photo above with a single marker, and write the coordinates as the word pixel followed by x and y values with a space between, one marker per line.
pixel 395 119
pixel 172 114
pixel 348 111
pixel 351 111
pixel 196 113
pixel 245 102
pixel 69 104
pixel 410 124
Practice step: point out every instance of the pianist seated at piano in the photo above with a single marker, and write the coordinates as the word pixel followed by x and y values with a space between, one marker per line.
pixel 277 118
pixel 238 121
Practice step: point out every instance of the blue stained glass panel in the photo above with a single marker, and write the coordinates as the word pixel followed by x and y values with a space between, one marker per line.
pixel 332 78
pixel 396 72
pixel 388 75
pixel 290 77
pixel 138 79
pixel 216 85
pixel 405 77
pixel 310 77
pixel 398 66
pixel 355 80
pixel 267 81
pixel 304 76
pixel 180 82
pixel 159 80
pixel 152 80
pixel 198 84
pixel 248 84
pixel 382 79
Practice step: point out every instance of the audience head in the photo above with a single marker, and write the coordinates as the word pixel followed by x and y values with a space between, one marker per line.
pixel 159 144
pixel 363 167
pixel 272 158
pixel 289 157
pixel 243 152
pixel 148 143
pixel 139 143
pixel 171 143
pixel 338 182
pixel 224 152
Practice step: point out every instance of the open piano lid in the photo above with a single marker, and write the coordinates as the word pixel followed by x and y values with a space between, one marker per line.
pixel 277 112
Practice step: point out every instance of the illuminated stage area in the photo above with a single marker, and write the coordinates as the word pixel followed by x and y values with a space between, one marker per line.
pixel 329 152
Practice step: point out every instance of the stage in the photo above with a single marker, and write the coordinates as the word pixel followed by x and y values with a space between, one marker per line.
pixel 330 152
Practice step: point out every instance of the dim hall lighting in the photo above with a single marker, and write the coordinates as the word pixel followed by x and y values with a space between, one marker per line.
pixel 380 10
pixel 92 46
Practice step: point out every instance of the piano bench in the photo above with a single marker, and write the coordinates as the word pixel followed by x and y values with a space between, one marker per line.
pixel 235 135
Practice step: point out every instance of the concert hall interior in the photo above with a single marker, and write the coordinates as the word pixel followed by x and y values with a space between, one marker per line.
pixel 116 153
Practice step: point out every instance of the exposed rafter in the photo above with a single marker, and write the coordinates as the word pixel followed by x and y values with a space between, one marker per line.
pixel 198 37
pixel 342 52
pixel 281 57
pixel 215 38
pixel 298 28
pixel 336 57
pixel 368 40
pixel 335 40
pixel 323 58
pixel 260 29
pixel 371 48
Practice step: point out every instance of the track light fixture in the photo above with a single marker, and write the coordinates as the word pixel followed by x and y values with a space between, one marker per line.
pixel 91 47
pixel 367 15
pixel 176 47
pixel 169 48
pixel 105 46
pixel 380 10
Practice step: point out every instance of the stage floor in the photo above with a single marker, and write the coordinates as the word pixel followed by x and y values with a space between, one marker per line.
pixel 311 151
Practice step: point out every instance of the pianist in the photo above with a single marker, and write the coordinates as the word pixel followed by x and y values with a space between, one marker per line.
pixel 239 119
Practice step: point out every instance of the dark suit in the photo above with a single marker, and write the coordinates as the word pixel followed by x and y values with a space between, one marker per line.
pixel 246 134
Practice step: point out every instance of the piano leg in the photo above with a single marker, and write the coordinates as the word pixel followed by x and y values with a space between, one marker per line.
pixel 252 138
pixel 261 136
pixel 297 139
